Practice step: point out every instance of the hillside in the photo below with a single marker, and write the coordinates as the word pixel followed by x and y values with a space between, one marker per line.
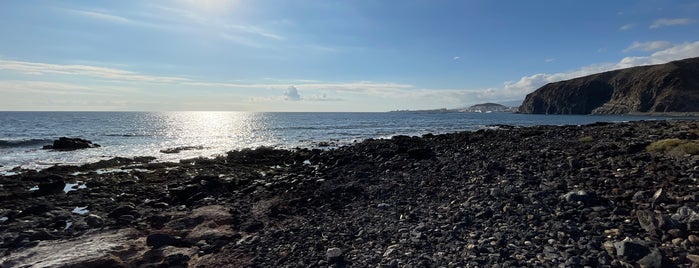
pixel 670 87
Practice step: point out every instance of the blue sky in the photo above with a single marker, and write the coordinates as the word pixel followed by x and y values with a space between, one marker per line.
pixel 309 55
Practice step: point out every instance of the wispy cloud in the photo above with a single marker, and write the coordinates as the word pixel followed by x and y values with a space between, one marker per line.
pixel 348 87
pixel 255 31
pixel 671 22
pixel 58 88
pixel 36 68
pixel 627 27
pixel 100 15
pixel 648 46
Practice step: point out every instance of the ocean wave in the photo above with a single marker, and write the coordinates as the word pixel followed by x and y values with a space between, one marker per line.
pixel 127 135
pixel 24 143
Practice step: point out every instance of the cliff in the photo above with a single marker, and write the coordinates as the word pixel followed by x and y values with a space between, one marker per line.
pixel 670 87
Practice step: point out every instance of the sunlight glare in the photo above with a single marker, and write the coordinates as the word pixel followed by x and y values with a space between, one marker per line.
pixel 211 7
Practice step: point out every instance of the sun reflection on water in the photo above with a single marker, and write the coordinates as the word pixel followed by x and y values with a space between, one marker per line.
pixel 223 130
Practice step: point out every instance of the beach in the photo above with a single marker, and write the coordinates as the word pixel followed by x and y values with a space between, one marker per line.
pixel 603 194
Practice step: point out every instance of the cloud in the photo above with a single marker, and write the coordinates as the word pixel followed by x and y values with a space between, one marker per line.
pixel 670 22
pixel 456 58
pixel 648 46
pixel 292 94
pixel 626 27
pixel 549 60
pixel 36 68
pixel 57 88
pixel 255 31
pixel 100 15
pixel 674 52
pixel 347 87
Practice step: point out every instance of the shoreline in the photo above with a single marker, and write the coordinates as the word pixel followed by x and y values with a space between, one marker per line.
pixel 524 196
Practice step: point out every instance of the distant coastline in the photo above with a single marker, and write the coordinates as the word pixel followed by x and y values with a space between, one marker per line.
pixel 477 108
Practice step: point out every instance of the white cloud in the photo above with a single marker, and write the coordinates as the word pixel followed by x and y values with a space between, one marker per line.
pixel 292 94
pixel 549 60
pixel 36 68
pixel 626 27
pixel 670 22
pixel 456 58
pixel 648 46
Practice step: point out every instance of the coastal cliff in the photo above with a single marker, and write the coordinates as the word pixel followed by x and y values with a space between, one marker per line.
pixel 663 88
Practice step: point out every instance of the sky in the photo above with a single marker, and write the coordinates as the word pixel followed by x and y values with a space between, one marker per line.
pixel 312 55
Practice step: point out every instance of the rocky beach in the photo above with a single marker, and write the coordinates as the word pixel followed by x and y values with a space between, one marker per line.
pixel 599 195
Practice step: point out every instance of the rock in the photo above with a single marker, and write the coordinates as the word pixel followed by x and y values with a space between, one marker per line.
pixel 123 210
pixel 175 261
pixel 252 226
pixel 633 250
pixel 693 258
pixel 54 186
pixel 688 217
pixel 42 235
pixel 94 220
pixel 420 153
pixel 160 240
pixel 649 221
pixel 693 239
pixel 659 195
pixel 580 196
pixel 333 254
pixel 70 144
pixel 652 260
pixel 181 148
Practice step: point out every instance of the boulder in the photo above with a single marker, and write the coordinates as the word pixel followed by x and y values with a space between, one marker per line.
pixel 70 144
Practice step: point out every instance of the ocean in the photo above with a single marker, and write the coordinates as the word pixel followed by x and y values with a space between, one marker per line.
pixel 129 134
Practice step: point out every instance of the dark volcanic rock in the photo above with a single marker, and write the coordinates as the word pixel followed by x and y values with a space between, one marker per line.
pixel 670 87
pixel 542 196
pixel 70 144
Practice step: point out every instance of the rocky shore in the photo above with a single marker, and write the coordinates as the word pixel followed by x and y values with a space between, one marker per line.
pixel 618 195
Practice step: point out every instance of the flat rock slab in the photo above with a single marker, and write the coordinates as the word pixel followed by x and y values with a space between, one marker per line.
pixel 105 248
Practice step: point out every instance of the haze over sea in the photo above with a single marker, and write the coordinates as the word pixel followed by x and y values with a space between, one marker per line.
pixel 129 134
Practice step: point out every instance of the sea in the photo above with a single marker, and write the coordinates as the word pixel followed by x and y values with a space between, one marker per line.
pixel 208 134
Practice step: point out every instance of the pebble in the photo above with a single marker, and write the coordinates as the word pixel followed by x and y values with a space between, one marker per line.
pixel 333 254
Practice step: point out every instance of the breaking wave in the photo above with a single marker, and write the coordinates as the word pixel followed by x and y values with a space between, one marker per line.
pixel 24 143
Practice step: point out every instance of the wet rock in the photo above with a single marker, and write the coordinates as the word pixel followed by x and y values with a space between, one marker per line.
pixel 70 144
pixel 180 149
